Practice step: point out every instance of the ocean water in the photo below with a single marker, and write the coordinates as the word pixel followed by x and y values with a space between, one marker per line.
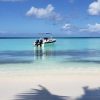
pixel 64 67
pixel 65 50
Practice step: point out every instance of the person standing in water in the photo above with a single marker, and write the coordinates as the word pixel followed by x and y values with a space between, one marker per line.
pixel 41 42
pixel 37 43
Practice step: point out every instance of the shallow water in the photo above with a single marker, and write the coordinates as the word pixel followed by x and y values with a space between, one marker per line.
pixel 80 50
pixel 64 67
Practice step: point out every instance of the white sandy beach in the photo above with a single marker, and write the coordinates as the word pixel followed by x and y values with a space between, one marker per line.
pixel 15 79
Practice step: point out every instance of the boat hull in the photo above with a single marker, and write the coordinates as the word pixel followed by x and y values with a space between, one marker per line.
pixel 45 42
pixel 50 42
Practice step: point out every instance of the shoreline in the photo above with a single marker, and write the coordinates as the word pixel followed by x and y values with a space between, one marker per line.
pixel 67 81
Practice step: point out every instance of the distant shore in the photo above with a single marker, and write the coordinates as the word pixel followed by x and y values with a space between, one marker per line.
pixel 39 37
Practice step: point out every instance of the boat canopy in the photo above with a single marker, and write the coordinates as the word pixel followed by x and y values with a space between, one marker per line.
pixel 45 35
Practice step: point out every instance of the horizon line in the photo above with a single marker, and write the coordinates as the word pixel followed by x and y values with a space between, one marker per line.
pixel 11 37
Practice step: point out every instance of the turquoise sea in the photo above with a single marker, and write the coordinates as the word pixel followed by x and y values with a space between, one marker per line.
pixel 74 50
pixel 62 68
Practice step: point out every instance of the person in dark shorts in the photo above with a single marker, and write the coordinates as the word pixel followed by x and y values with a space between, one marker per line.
pixel 37 43
pixel 41 42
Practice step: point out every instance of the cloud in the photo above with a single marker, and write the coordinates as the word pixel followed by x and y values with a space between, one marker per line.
pixel 71 1
pixel 92 28
pixel 3 32
pixel 66 27
pixel 69 28
pixel 44 13
pixel 11 0
pixel 94 8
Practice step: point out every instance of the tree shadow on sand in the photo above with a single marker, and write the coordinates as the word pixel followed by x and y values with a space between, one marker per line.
pixel 40 94
pixel 90 94
pixel 45 94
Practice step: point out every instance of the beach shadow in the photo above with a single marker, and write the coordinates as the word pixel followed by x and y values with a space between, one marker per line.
pixel 40 94
pixel 90 94
pixel 45 94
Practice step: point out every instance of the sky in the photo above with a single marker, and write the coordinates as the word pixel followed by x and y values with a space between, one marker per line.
pixel 60 17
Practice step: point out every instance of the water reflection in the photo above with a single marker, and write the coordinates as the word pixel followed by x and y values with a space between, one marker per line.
pixel 46 52
pixel 39 53
pixel 43 52
pixel 81 56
